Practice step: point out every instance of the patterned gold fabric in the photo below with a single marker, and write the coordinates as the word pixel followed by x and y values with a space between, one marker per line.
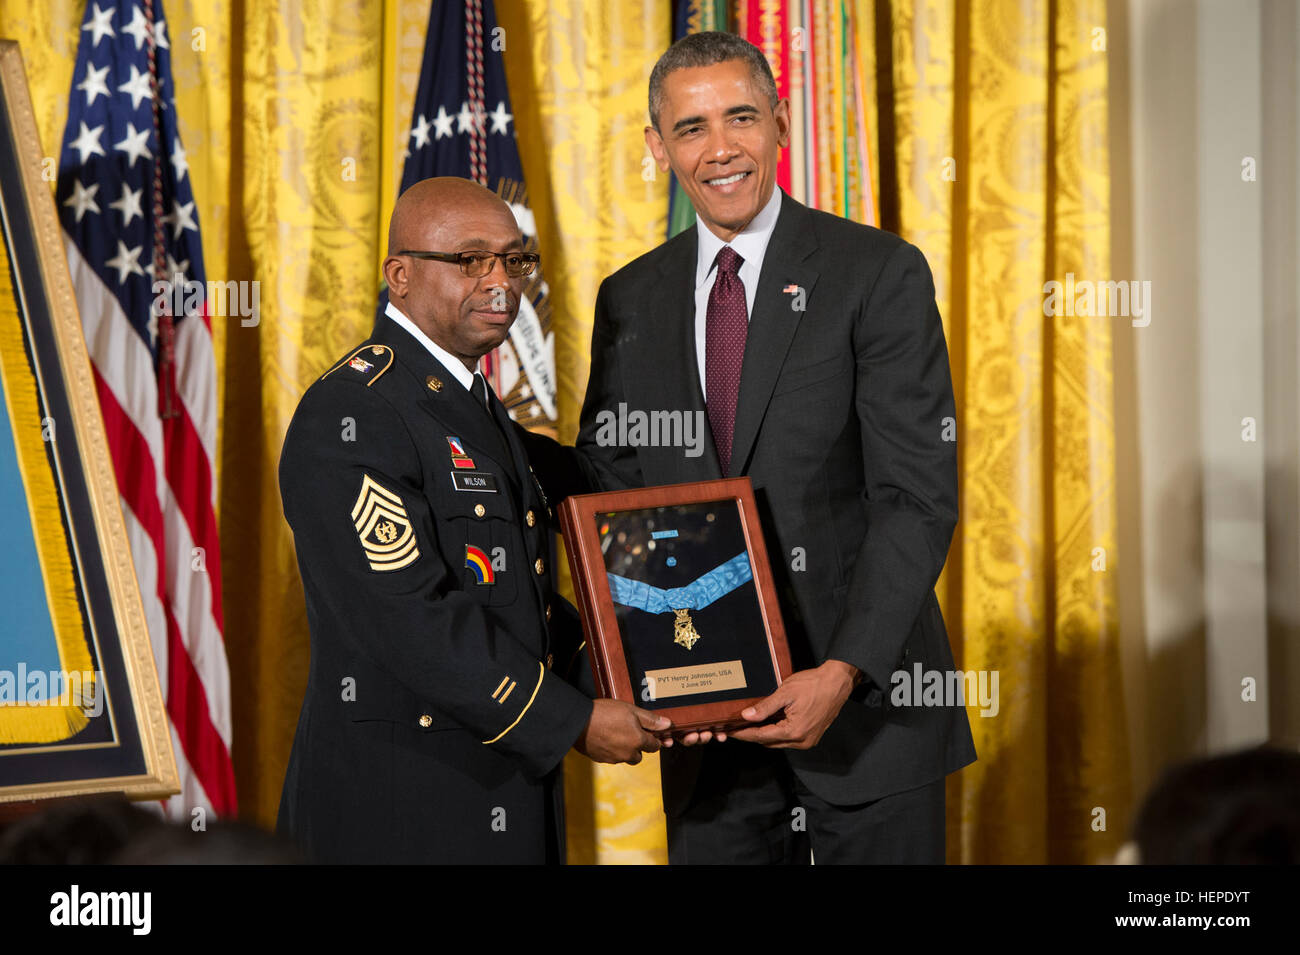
pixel 991 156
pixel 48 34
pixel 1000 158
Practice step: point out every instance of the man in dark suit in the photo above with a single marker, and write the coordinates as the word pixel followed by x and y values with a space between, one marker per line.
pixel 438 706
pixel 814 346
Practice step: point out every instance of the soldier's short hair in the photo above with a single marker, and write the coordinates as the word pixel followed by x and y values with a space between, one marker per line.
pixel 706 49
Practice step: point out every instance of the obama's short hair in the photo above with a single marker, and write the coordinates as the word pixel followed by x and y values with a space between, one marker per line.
pixel 706 49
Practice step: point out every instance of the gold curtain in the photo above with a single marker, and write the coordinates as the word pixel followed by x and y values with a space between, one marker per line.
pixel 993 142
pixel 989 144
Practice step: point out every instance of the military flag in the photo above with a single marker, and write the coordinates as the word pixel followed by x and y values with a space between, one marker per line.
pixel 461 125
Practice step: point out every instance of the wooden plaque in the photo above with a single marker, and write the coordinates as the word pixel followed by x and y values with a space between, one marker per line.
pixel 677 599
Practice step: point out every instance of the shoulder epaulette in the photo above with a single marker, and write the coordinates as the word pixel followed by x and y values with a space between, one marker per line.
pixel 365 365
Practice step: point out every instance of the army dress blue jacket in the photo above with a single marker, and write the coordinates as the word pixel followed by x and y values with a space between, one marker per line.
pixel 435 715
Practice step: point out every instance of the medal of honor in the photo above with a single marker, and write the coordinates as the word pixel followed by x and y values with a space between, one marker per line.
pixel 697 595
pixel 683 629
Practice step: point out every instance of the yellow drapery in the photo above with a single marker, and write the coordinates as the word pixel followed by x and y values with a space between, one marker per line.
pixel 989 145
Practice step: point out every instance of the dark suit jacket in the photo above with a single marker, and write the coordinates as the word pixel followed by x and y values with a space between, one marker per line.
pixel 433 719
pixel 840 426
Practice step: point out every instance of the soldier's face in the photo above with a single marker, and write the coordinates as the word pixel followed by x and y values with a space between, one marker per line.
pixel 467 316
pixel 722 138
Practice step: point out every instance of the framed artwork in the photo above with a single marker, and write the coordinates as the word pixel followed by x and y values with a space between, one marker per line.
pixel 81 710
pixel 677 599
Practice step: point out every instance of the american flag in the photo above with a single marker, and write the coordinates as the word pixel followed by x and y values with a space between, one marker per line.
pixel 462 126
pixel 128 214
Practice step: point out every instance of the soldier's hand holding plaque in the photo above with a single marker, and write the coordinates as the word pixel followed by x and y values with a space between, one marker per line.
pixel 677 600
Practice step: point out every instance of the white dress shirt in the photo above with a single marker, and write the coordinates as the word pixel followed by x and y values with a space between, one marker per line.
pixel 750 245
pixel 449 361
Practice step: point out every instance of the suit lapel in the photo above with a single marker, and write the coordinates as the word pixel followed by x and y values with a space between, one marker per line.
pixel 773 323
pixel 680 378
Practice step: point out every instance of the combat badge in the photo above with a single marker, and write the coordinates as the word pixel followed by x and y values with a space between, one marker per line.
pixel 385 531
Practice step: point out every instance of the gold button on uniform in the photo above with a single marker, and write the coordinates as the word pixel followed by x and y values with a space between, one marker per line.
pixel 530 518
pixel 539 566
pixel 548 611
pixel 479 510
pixel 426 721
pixel 550 661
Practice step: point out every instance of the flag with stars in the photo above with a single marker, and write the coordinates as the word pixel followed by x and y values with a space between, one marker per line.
pixel 132 238
pixel 462 126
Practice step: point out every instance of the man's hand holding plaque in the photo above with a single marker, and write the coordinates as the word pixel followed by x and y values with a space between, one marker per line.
pixel 619 733
pixel 809 702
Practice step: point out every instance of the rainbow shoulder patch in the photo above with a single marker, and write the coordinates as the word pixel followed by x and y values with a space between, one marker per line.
pixel 478 562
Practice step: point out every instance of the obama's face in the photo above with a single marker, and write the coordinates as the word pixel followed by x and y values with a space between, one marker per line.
pixel 722 137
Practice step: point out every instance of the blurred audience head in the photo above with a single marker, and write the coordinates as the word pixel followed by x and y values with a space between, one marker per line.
pixel 108 829
pixel 84 831
pixel 1239 809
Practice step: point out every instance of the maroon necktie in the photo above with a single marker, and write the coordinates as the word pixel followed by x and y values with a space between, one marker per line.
pixel 726 325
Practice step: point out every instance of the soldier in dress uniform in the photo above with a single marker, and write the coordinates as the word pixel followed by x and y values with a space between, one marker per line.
pixel 447 680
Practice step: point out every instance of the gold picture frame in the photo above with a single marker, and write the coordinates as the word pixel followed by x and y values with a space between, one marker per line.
pixel 53 745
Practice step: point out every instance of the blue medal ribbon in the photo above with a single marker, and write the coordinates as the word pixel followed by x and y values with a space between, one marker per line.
pixel 697 595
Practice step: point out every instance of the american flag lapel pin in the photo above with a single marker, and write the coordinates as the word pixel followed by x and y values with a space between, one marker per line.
pixel 797 296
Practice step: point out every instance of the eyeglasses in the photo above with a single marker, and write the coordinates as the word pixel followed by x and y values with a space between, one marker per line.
pixel 476 263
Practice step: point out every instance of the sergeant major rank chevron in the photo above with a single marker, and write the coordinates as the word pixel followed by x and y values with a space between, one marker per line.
pixel 385 530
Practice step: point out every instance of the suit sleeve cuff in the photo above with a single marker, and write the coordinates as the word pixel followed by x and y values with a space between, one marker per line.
pixel 877 668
